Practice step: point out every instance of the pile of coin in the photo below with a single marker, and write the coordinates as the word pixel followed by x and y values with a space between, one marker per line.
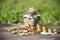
pixel 21 30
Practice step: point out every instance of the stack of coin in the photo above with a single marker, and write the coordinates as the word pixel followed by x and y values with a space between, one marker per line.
pixel 50 30
pixel 44 29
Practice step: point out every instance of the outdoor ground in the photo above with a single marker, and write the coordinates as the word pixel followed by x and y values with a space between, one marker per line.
pixel 4 35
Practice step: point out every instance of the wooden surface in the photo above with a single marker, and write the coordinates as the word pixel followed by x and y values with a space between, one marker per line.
pixel 4 35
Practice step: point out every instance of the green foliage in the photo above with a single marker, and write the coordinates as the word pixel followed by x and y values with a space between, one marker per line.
pixel 12 11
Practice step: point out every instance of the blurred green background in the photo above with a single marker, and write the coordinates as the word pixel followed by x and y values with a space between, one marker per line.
pixel 12 11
